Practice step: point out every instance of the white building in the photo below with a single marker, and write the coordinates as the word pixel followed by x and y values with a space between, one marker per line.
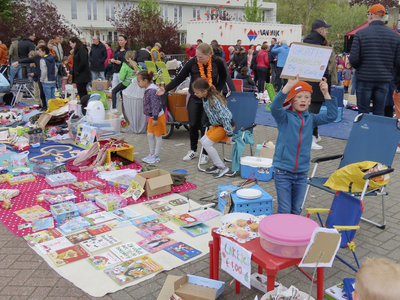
pixel 92 16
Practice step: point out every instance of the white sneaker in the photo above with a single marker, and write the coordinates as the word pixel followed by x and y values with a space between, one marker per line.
pixel 113 111
pixel 190 155
pixel 318 138
pixel 398 150
pixel 314 144
pixel 203 159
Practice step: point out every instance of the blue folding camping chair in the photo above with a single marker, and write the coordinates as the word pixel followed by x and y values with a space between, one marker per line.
pixel 243 107
pixel 372 138
pixel 344 215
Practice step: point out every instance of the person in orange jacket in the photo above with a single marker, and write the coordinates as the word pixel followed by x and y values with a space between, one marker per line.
pixel 3 57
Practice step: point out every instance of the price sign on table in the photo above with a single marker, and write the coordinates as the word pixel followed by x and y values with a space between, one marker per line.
pixel 236 261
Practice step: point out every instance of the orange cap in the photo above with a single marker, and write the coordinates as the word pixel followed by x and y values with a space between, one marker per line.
pixel 301 86
pixel 377 9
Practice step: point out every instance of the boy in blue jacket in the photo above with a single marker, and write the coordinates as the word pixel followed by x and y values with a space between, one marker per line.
pixel 293 145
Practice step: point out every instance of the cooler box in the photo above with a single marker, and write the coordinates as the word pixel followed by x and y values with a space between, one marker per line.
pixel 261 166
pixel 256 207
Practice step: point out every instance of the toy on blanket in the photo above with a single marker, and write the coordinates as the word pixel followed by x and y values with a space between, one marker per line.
pixel 5 197
pixel 111 166
pixel 6 204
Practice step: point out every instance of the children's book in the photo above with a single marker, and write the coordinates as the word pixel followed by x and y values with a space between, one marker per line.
pixel 153 230
pixel 42 236
pixel 42 224
pixel 30 214
pixel 68 255
pixel 124 214
pixel 155 203
pixel 169 214
pixel 147 221
pixel 79 237
pixel 134 190
pixel 100 242
pixel 74 225
pixel 177 202
pixel 118 224
pixel 128 251
pixel 99 229
pixel 196 230
pixel 348 285
pixel 101 261
pixel 133 269
pixel 182 251
pixel 183 219
pixel 100 217
pixel 207 215
pixel 161 209
pixel 156 243
pixel 54 245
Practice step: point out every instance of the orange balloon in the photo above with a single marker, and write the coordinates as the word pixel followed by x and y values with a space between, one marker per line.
pixel 198 18
pixel 228 1
pixel 221 6
pixel 213 10
pixel 220 27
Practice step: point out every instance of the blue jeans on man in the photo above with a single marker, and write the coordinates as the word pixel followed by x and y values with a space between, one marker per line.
pixel 367 90
pixel 49 91
pixel 290 189
pixel 15 72
pixel 143 65
pixel 98 74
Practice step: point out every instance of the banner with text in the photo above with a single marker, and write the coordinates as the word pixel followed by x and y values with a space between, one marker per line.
pixel 236 261
pixel 309 61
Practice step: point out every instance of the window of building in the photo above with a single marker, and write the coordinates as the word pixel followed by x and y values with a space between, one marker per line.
pixel 164 11
pixel 112 4
pixel 196 12
pixel 178 13
pixel 74 12
pixel 208 11
pixel 238 14
pixel 89 9
pixel 110 36
pixel 94 10
pixel 115 36
pixel 107 5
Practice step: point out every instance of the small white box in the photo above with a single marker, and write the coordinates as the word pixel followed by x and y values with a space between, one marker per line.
pixel 259 281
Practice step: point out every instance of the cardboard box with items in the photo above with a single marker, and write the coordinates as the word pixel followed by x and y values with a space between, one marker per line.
pixel 154 182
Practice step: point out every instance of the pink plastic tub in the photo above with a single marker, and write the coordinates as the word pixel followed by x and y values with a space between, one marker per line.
pixel 286 235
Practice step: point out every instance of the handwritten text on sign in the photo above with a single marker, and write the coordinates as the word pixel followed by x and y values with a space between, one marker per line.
pixel 309 61
pixel 236 261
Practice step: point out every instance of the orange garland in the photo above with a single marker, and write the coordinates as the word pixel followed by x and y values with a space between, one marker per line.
pixel 209 68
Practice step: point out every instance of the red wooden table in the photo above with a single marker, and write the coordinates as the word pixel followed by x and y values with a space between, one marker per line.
pixel 265 261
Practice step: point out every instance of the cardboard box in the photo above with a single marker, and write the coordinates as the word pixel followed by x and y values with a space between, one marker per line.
pixel 259 281
pixel 100 85
pixel 64 211
pixel 154 182
pixel 36 137
pixel 191 287
pixel 43 120
pixel 267 152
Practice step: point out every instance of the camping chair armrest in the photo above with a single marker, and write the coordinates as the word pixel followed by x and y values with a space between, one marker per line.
pixel 249 127
pixel 378 173
pixel 346 228
pixel 317 210
pixel 326 158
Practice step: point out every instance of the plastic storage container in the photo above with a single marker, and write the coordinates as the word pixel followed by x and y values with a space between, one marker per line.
pixel 110 126
pixel 286 235
pixel 261 166
pixel 256 207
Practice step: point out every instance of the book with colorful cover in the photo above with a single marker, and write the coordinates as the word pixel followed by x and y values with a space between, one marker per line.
pixel 79 237
pixel 177 202
pixel 42 224
pixel 100 242
pixel 196 230
pixel 183 219
pixel 42 236
pixel 153 230
pixel 103 260
pixel 68 255
pixel 128 251
pixel 167 215
pixel 182 251
pixel 147 221
pixel 134 190
pixel 207 215
pixel 115 224
pixel 133 269
pixel 99 218
pixel 155 203
pixel 74 225
pixel 32 213
pixel 161 209
pixel 124 214
pixel 156 243
pixel 54 245
pixel 99 229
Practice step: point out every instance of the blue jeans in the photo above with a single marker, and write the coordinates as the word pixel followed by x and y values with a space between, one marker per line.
pixel 15 72
pixel 49 90
pixel 59 80
pixel 367 90
pixel 98 74
pixel 353 83
pixel 290 189
pixel 143 65
pixel 4 89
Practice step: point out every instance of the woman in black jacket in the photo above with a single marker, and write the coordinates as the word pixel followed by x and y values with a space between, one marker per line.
pixel 80 69
pixel 239 60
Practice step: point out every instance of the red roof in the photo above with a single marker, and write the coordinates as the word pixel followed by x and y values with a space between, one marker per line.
pixel 353 31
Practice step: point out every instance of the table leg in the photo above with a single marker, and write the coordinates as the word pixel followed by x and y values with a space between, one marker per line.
pixel 270 282
pixel 320 283
pixel 216 246
pixel 260 270
pixel 211 255
pixel 237 287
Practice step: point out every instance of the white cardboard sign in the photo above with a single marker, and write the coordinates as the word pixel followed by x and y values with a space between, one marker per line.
pixel 236 261
pixel 309 61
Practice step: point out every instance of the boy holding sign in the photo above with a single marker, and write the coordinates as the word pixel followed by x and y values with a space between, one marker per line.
pixel 293 146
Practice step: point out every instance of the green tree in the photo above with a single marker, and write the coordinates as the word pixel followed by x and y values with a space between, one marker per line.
pixel 252 12
pixel 149 6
